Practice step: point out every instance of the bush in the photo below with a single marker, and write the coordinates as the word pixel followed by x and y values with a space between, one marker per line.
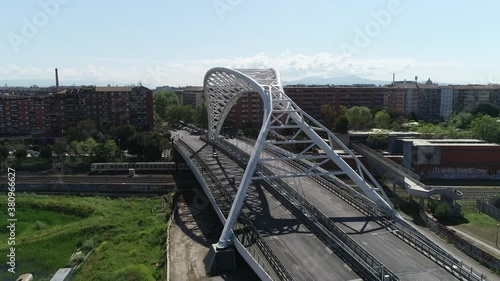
pixel 77 259
pixel 21 152
pixel 46 152
pixel 39 225
pixel 32 165
pixel 442 212
pixel 341 125
pixel 378 140
pixel 70 209
pixel 135 272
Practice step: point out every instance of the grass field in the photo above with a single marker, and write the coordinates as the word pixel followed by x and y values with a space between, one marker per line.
pixel 478 225
pixel 126 237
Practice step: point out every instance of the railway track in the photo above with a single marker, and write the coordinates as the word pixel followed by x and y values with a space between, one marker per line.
pixel 93 179
pixel 479 193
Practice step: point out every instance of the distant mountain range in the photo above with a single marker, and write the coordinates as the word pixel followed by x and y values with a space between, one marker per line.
pixel 346 80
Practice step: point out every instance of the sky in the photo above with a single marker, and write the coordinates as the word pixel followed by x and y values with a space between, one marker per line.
pixel 175 42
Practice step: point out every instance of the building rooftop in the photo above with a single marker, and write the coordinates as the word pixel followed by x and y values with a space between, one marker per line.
pixel 390 133
pixel 61 274
pixel 448 142
pixel 113 89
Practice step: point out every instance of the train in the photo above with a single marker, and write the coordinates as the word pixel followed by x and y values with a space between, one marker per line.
pixel 137 166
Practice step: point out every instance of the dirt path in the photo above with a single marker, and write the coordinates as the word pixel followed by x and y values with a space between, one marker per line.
pixel 188 244
pixel 195 227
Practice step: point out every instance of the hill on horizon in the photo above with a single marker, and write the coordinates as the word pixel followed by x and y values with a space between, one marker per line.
pixel 343 80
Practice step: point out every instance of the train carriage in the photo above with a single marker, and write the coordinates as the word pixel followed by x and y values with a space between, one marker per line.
pixel 137 166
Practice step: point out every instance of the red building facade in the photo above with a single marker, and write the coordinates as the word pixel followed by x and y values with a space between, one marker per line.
pixel 52 114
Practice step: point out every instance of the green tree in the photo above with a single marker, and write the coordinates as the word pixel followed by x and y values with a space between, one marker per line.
pixel 341 125
pixel 177 113
pixel 429 130
pixel 461 120
pixel 485 127
pixel 163 101
pixel 61 146
pixel 148 145
pixel 4 152
pixel 328 115
pixel 21 152
pixel 382 119
pixel 360 118
pixel 378 140
pixel 122 134
pixel 82 131
pixel 443 211
pixel 202 116
pixel 87 147
pixel 46 151
pixel 486 109
pixel 108 151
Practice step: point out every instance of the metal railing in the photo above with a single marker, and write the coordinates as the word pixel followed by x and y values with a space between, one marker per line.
pixel 421 244
pixel 250 232
pixel 366 265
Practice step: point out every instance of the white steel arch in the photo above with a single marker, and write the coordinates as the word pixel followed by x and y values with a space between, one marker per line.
pixel 284 123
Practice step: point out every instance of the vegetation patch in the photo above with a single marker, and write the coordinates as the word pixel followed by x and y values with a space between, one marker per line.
pixel 124 237
pixel 475 224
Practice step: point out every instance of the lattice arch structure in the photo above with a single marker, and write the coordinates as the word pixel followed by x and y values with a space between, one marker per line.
pixel 223 87
pixel 284 124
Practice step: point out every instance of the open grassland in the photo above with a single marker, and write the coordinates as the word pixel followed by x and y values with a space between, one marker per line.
pixel 125 237
pixel 478 225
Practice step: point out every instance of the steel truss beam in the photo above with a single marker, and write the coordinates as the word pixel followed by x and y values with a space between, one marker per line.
pixel 284 125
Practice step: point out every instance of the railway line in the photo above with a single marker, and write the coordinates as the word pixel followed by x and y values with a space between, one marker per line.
pixel 151 179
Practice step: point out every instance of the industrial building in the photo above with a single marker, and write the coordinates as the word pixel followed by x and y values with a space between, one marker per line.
pixel 455 159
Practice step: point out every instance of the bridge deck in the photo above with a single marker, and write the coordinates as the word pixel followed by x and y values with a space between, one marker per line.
pixel 303 254
pixel 406 262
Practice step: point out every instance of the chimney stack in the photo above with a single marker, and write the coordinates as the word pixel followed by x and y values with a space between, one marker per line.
pixel 57 80
pixel 393 78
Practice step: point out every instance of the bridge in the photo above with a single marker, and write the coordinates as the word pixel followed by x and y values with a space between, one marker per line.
pixel 288 217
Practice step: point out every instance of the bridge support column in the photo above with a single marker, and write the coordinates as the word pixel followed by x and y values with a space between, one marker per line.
pixel 220 260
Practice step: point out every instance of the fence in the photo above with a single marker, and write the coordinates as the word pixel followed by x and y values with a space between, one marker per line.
pixel 420 243
pixel 249 232
pixel 459 242
pixel 488 209
pixel 324 228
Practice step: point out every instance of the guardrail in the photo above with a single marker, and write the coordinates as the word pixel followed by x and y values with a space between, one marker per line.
pixel 367 265
pixel 421 244
pixel 250 231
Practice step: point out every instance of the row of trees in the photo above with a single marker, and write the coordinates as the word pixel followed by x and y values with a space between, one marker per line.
pixel 360 118
pixel 148 146
pixel 482 122
pixel 168 109
pixel 464 125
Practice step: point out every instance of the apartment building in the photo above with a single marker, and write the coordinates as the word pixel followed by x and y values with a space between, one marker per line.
pixel 53 113
pixel 190 95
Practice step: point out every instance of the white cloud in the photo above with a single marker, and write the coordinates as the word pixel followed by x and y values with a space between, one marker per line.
pixel 291 66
